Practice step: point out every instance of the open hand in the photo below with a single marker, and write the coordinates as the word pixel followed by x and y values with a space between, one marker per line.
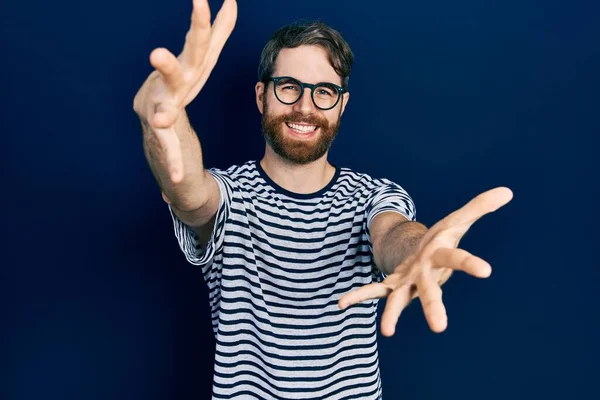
pixel 423 272
pixel 178 80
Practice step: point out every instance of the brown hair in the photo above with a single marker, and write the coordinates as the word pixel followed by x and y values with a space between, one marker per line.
pixel 315 33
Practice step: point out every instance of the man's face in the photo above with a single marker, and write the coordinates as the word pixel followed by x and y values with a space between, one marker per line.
pixel 300 133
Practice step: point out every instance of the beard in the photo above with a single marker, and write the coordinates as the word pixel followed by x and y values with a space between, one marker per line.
pixel 298 151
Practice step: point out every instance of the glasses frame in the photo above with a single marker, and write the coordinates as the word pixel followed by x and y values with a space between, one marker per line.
pixel 303 86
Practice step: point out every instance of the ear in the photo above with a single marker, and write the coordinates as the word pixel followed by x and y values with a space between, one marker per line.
pixel 345 98
pixel 260 93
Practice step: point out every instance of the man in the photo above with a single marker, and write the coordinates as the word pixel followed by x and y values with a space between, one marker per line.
pixel 295 251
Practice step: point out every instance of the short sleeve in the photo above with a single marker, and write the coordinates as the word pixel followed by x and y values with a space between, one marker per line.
pixel 387 197
pixel 188 240
pixel 390 197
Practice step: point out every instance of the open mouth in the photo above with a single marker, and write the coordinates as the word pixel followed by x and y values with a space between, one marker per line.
pixel 302 129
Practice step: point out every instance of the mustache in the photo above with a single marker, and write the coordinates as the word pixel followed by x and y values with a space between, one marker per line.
pixel 302 118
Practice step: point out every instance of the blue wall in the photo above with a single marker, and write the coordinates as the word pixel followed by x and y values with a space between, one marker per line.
pixel 448 99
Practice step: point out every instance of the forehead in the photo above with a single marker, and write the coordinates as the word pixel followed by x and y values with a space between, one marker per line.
pixel 307 63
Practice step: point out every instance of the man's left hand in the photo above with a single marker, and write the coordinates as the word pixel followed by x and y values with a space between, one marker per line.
pixel 424 271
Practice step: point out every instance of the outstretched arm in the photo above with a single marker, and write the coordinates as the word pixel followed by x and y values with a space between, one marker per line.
pixel 170 144
pixel 394 238
pixel 423 269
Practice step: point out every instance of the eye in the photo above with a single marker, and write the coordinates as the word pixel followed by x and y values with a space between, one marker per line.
pixel 288 85
pixel 325 91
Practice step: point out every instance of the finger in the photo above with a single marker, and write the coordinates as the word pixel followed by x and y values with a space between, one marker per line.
pixel 461 260
pixel 479 206
pixel 169 67
pixel 395 304
pixel 223 25
pixel 371 291
pixel 221 30
pixel 430 295
pixel 173 157
pixel 164 115
pixel 170 145
pixel 198 36
pixel 484 203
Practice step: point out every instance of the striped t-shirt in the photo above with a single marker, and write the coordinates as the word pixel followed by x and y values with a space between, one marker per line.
pixel 276 265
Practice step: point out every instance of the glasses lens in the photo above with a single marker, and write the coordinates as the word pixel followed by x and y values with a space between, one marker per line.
pixel 326 96
pixel 288 90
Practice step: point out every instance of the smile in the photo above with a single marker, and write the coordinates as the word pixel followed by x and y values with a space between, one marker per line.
pixel 300 128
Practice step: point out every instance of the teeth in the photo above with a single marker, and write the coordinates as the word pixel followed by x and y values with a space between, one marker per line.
pixel 302 128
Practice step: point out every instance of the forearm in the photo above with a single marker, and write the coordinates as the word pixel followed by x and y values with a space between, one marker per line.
pixel 189 193
pixel 397 244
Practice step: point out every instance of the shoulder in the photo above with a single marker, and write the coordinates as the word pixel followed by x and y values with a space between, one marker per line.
pixel 363 180
pixel 237 171
pixel 239 178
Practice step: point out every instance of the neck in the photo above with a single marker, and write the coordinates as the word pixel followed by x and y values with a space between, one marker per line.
pixel 300 179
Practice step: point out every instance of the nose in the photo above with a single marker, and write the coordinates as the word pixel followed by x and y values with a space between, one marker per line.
pixel 305 105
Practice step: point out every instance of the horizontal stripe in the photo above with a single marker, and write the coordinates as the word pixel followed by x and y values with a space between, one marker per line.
pixel 228 307
pixel 231 348
pixel 305 390
pixel 297 376
pixel 281 347
pixel 304 302
pixel 286 290
pixel 313 364
pixel 275 268
pixel 286 235
pixel 337 328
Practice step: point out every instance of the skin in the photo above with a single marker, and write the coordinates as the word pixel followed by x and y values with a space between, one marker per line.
pixel 420 271
pixel 418 260
pixel 307 64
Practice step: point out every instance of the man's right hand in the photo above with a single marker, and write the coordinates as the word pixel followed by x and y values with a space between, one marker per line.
pixel 177 80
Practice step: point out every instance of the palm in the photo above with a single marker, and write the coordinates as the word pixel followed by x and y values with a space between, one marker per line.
pixel 436 256
pixel 176 81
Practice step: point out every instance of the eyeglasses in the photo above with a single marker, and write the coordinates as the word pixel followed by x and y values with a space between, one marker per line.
pixel 288 90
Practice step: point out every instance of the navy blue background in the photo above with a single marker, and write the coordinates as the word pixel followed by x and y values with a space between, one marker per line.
pixel 448 99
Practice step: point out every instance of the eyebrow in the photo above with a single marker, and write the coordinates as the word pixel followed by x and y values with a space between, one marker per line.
pixel 319 81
